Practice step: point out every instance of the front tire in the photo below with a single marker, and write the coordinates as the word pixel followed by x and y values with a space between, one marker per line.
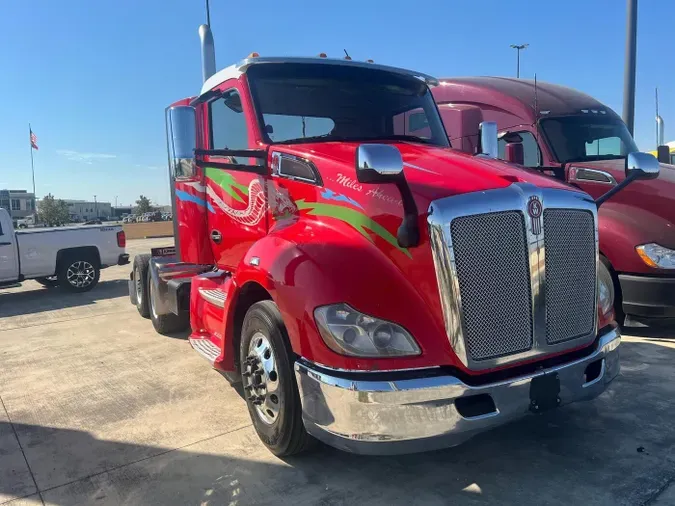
pixel 269 382
pixel 78 273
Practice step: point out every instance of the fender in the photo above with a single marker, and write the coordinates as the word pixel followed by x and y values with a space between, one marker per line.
pixel 301 274
pixel 622 227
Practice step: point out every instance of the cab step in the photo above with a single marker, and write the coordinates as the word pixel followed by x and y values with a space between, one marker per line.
pixel 213 296
pixel 206 349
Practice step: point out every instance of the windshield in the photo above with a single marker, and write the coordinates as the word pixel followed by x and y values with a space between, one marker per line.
pixel 587 138
pixel 318 103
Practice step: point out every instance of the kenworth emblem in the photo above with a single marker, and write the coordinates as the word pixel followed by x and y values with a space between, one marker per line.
pixel 534 209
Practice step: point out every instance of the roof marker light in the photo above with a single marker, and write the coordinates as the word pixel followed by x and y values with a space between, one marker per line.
pixel 370 61
pixel 322 55
pixel 253 55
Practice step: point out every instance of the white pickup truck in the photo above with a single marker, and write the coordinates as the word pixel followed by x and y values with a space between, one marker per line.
pixel 71 257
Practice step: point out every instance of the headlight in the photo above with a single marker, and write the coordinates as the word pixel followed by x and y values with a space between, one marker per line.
pixel 655 255
pixel 348 332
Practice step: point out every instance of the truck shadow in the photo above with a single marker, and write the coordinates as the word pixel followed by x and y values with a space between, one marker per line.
pixel 14 303
pixel 655 330
pixel 617 449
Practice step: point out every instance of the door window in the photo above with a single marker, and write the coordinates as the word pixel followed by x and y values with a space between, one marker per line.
pixel 531 151
pixel 16 205
pixel 228 124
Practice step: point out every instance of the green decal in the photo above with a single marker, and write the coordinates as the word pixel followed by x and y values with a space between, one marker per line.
pixel 356 219
pixel 227 182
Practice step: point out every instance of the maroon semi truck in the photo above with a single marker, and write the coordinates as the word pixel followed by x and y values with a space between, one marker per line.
pixel 572 137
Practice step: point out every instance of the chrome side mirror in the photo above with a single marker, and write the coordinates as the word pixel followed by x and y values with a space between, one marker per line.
pixel 488 139
pixel 378 163
pixel 638 166
pixel 181 138
pixel 642 166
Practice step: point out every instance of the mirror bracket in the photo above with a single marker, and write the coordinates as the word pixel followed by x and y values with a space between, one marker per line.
pixel 383 163
pixel 638 166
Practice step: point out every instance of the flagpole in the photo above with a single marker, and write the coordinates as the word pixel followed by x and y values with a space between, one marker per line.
pixel 32 166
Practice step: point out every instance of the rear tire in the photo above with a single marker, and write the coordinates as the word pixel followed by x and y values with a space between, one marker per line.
pixel 165 323
pixel 141 267
pixel 266 358
pixel 78 273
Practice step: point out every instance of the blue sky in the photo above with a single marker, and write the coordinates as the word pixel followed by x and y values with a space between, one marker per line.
pixel 93 78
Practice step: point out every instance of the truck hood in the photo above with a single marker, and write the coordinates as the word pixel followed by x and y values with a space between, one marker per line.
pixel 656 196
pixel 434 172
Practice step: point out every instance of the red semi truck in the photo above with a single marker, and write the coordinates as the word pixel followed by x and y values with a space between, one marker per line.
pixel 375 290
pixel 574 138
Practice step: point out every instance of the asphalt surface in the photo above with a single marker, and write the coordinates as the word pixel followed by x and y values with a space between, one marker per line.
pixel 99 409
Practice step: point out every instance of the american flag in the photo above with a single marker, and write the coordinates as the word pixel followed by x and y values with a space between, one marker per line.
pixel 33 140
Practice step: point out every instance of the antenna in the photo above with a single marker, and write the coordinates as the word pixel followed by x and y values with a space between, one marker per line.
pixel 208 13
pixel 347 57
pixel 536 116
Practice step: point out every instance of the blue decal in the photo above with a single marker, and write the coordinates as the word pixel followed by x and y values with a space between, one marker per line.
pixel 183 195
pixel 331 195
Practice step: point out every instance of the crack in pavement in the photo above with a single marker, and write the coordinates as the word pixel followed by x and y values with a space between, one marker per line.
pixel 18 441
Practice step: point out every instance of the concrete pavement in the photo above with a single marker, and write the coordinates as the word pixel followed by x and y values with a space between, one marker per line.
pixel 99 409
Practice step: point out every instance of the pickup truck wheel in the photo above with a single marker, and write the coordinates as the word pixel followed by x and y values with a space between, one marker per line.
pixel 141 267
pixel 165 323
pixel 49 282
pixel 269 381
pixel 78 274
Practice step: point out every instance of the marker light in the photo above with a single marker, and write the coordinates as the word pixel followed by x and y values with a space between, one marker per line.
pixel 322 55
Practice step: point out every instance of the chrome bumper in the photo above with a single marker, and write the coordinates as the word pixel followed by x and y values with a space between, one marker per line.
pixel 363 415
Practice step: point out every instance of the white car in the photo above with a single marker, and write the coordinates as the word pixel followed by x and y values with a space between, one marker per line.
pixel 71 257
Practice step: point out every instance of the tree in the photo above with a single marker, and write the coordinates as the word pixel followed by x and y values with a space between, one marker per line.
pixel 53 212
pixel 143 205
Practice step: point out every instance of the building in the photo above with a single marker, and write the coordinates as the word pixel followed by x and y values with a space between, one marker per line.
pixel 19 203
pixel 121 211
pixel 83 210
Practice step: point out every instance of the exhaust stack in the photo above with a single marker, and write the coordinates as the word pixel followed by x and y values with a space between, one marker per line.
pixel 208 52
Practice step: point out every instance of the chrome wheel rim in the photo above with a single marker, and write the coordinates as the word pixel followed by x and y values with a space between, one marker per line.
pixel 139 286
pixel 261 379
pixel 80 274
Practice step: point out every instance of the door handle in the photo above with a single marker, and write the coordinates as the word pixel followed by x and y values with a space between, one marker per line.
pixel 5 243
pixel 216 236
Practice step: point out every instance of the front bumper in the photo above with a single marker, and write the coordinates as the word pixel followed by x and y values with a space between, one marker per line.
pixel 648 297
pixel 123 259
pixel 357 414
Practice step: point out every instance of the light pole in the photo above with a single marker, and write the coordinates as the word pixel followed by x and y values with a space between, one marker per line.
pixel 629 69
pixel 95 206
pixel 518 48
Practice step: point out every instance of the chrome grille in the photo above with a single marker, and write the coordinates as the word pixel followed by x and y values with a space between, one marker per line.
pixel 569 239
pixel 494 282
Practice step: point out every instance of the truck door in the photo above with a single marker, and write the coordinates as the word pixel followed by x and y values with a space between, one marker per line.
pixel 235 178
pixel 9 258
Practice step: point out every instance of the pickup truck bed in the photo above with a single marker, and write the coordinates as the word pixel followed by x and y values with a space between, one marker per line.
pixel 73 254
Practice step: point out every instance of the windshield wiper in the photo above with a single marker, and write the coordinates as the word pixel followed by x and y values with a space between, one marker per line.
pixel 594 158
pixel 336 138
